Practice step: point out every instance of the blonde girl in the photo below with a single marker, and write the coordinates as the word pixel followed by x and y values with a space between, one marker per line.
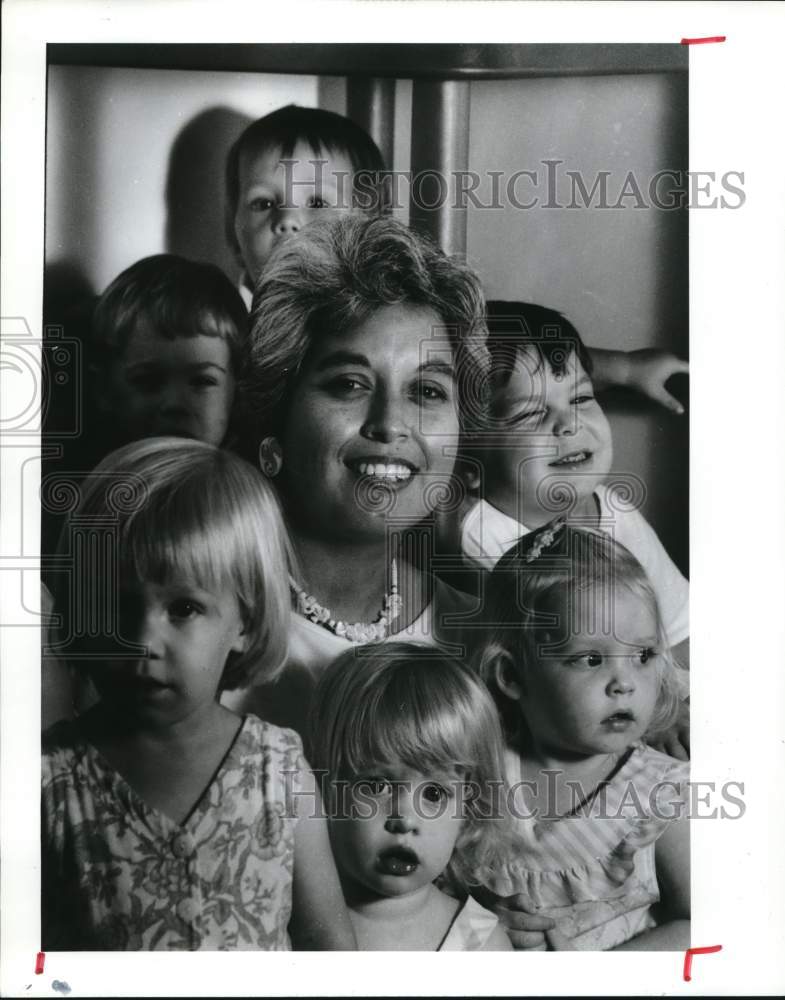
pixel 170 823
pixel 410 746
pixel 583 676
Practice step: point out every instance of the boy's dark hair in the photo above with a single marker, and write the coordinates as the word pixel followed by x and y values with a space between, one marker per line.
pixel 178 297
pixel 323 131
pixel 514 326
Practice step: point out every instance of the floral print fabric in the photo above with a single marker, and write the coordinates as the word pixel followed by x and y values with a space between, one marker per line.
pixel 119 875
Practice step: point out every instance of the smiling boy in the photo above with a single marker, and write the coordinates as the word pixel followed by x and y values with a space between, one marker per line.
pixel 547 450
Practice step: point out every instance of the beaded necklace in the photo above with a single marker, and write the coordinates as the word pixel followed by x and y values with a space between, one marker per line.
pixel 357 632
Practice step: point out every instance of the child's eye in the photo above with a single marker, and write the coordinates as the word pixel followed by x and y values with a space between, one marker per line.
pixel 374 786
pixel 586 660
pixel 184 608
pixel 435 793
pixel 204 381
pixel 261 204
pixel 317 202
pixel 583 398
pixel 647 654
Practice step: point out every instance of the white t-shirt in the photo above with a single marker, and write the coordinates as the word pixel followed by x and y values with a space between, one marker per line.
pixel 487 533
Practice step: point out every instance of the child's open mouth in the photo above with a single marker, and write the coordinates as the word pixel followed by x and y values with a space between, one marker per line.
pixel 575 458
pixel 619 721
pixel 397 861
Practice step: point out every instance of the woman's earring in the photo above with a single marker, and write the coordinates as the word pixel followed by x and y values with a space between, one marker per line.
pixel 270 457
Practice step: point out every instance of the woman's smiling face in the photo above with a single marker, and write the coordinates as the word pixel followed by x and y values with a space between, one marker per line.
pixel 371 427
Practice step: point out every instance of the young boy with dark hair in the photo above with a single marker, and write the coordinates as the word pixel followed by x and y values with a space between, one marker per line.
pixel 547 450
pixel 292 166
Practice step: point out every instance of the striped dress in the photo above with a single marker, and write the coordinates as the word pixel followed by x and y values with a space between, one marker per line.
pixel 593 870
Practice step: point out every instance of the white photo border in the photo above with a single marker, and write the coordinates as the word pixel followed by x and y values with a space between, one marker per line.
pixel 737 309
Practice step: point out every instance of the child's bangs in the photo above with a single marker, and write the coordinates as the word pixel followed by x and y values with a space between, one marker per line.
pixel 178 541
pixel 189 316
pixel 414 724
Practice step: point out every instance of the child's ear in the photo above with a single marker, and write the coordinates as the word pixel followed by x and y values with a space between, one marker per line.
pixel 497 667
pixel 240 643
pixel 506 675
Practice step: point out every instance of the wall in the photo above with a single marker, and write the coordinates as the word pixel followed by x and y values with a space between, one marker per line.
pixel 135 159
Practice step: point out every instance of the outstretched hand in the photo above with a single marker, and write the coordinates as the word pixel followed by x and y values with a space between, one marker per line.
pixel 649 370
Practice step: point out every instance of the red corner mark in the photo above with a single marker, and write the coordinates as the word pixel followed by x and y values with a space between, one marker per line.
pixel 696 951
pixel 39 963
pixel 703 41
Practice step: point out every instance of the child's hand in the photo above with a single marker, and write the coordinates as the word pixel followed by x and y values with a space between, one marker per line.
pixel 650 369
pixel 558 942
pixel 525 928
pixel 676 741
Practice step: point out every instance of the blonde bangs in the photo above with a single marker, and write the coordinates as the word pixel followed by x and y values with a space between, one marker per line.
pixel 195 513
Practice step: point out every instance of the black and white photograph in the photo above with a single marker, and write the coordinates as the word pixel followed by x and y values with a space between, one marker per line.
pixel 368 487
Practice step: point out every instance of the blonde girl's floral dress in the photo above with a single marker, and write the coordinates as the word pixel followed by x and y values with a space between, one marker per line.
pixel 119 875
pixel 593 870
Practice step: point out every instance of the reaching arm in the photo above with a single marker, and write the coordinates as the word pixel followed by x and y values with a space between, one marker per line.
pixel 672 858
pixel 646 371
pixel 320 920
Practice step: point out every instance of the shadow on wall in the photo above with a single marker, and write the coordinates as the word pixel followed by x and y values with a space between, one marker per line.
pixel 195 188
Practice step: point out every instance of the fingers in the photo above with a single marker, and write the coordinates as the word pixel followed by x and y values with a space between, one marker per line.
pixel 528 940
pixel 558 942
pixel 528 922
pixel 677 366
pixel 518 921
pixel 520 902
pixel 661 395
pixel 516 914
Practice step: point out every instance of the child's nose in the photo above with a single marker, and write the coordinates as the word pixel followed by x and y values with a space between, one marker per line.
pixel 173 398
pixel 402 818
pixel 400 824
pixel 565 422
pixel 623 679
pixel 288 221
pixel 146 630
